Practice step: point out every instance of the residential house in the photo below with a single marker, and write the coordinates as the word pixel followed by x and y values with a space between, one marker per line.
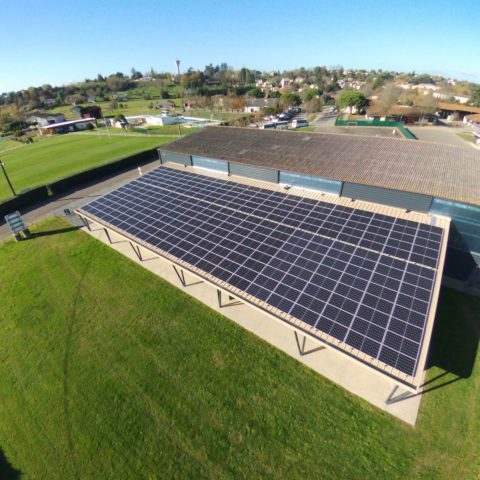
pixel 67 127
pixel 473 120
pixel 284 82
pixel 254 105
pixel 165 104
pixel 42 119
pixel 92 111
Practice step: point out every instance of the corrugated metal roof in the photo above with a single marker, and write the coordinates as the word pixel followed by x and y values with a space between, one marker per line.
pixel 428 168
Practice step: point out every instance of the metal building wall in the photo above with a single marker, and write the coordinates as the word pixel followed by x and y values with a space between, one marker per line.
pixel 258 173
pixel 210 164
pixel 385 196
pixel 312 182
pixel 180 158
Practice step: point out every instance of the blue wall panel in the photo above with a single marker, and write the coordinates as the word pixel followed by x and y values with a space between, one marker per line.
pixel 210 163
pixel 310 181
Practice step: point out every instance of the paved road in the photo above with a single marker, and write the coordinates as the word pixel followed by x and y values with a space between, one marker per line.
pixel 76 198
pixel 442 134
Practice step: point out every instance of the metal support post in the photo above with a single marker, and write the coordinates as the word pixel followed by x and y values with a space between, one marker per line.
pixel 108 236
pixel 137 251
pixel 301 345
pixel 181 276
pixel 231 300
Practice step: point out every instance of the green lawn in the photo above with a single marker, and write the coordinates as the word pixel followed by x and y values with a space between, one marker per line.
pixel 139 106
pixel 468 137
pixel 8 144
pixel 136 106
pixel 310 128
pixel 108 372
pixel 51 158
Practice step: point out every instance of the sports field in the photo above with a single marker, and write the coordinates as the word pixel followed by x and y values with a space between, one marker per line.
pixel 51 158
pixel 106 371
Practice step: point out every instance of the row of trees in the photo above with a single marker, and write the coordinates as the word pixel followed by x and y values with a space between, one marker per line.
pixel 224 80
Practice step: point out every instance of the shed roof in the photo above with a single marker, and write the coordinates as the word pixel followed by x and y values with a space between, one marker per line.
pixel 454 107
pixel 69 122
pixel 411 165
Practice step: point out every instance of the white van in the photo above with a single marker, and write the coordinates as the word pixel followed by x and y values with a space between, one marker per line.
pixel 300 122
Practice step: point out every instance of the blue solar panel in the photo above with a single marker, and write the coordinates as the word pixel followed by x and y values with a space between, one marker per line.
pixel 362 278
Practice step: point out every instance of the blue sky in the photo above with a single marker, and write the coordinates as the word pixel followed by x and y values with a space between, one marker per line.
pixel 58 42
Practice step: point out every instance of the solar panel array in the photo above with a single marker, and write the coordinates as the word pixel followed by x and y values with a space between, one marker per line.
pixel 359 277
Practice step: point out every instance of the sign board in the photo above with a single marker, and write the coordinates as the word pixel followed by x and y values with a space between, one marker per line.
pixel 15 222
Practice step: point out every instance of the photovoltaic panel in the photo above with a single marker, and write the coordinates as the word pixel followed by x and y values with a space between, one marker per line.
pixel 361 278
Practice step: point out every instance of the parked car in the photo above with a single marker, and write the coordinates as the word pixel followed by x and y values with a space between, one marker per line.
pixel 281 125
pixel 300 122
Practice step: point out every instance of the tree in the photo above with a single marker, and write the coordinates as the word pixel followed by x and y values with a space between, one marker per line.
pixel 352 98
pixel 274 94
pixel 314 105
pixel 9 116
pixel 475 97
pixel 245 76
pixel 290 99
pixel 238 103
pixel 255 92
pixel 422 78
pixel 135 74
pixel 426 104
pixel 381 79
pixel 311 93
pixel 389 97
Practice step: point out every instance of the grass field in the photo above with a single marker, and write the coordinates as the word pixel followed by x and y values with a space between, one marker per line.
pixel 52 158
pixel 139 106
pixel 135 106
pixel 468 137
pixel 310 128
pixel 108 372
pixel 8 144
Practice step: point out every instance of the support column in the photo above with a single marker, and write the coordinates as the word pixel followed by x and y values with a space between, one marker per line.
pixel 86 223
pixel 107 233
pixel 395 397
pixel 301 345
pixel 137 251
pixel 231 302
pixel 181 276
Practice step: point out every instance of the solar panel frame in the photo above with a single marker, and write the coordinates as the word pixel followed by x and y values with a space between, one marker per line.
pixel 259 228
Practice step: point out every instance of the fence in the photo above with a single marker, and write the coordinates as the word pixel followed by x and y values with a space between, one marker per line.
pixel 376 123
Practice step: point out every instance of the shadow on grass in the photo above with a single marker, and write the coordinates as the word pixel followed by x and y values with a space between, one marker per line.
pixel 456 334
pixel 7 471
pixel 454 344
pixel 53 232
